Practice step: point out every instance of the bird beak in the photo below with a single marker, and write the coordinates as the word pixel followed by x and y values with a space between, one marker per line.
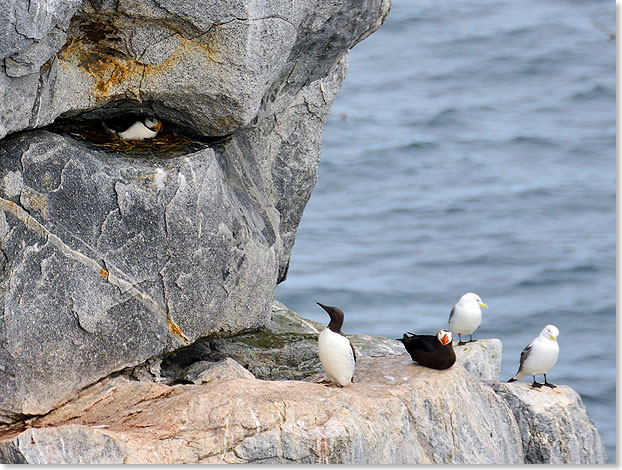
pixel 158 127
pixel 553 338
pixel 445 340
pixel 483 305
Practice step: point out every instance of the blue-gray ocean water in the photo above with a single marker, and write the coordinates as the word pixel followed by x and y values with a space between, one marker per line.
pixel 472 148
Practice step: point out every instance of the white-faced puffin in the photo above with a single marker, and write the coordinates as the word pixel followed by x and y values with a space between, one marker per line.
pixel 134 127
pixel 337 354
pixel 434 351
pixel 466 316
pixel 539 356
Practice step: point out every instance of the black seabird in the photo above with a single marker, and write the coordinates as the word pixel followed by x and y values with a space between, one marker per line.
pixel 436 352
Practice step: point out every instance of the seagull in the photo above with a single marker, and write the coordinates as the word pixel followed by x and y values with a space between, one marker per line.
pixel 337 354
pixel 434 351
pixel 132 127
pixel 466 316
pixel 539 356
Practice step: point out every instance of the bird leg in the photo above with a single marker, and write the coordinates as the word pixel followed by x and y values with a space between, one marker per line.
pixel 471 340
pixel 460 342
pixel 548 384
pixel 536 384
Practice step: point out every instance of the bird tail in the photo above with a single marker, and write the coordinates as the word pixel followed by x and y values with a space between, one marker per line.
pixel 512 380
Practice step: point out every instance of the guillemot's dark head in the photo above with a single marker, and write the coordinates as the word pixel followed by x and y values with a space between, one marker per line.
pixel 336 317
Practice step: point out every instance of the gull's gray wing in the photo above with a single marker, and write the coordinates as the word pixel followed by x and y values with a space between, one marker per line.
pixel 523 357
pixel 451 314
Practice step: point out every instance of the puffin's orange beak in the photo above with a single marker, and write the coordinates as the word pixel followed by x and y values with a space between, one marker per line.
pixel 158 127
pixel 445 340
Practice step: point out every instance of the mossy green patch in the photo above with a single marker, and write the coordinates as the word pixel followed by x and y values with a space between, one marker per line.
pixel 269 340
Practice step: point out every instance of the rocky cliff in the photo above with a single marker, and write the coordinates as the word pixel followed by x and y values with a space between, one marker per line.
pixel 136 281
pixel 113 255
pixel 207 410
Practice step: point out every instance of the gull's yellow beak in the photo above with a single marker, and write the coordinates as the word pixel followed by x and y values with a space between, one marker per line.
pixel 553 338
pixel 483 305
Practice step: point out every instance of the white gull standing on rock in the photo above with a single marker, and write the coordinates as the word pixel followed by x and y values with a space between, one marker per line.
pixel 539 356
pixel 466 316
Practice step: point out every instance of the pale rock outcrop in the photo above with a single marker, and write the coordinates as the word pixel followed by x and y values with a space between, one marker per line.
pixel 395 412
pixel 204 371
pixel 555 427
pixel 482 358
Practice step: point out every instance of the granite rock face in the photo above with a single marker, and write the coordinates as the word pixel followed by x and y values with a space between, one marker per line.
pixel 555 427
pixel 107 261
pixel 214 66
pixel 482 358
pixel 395 412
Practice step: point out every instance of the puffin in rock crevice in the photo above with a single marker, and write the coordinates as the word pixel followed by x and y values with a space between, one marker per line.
pixel 466 316
pixel 134 127
pixel 337 354
pixel 433 351
pixel 539 356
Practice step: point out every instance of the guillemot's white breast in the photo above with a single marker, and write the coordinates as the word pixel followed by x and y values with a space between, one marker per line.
pixel 335 350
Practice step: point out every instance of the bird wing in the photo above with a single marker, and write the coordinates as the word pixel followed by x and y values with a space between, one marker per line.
pixel 123 122
pixel 351 345
pixel 428 343
pixel 523 356
pixel 451 314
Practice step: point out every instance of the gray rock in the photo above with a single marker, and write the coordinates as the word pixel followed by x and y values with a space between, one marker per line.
pixel 110 261
pixel 482 358
pixel 286 349
pixel 284 320
pixel 72 444
pixel 203 371
pixel 216 66
pixel 554 424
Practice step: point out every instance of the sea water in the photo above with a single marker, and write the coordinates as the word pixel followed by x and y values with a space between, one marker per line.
pixel 472 148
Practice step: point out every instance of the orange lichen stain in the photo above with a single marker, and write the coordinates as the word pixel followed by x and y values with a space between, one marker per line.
pixel 174 328
pixel 103 273
pixel 100 53
pixel 206 46
pixel 11 203
pixel 227 122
